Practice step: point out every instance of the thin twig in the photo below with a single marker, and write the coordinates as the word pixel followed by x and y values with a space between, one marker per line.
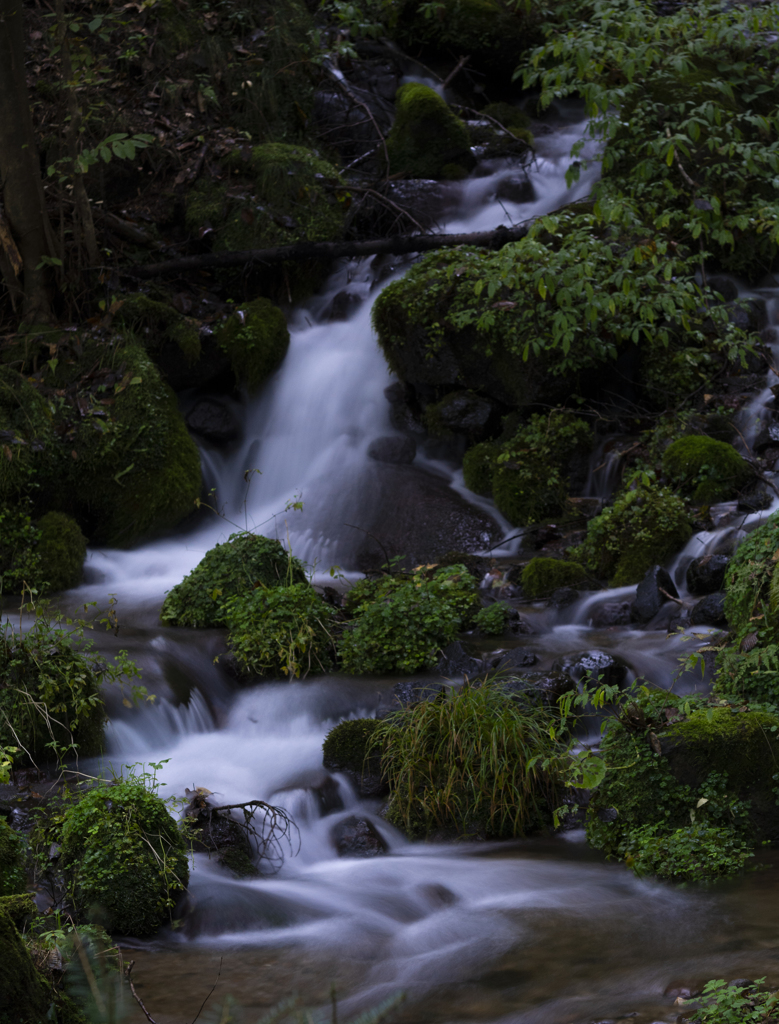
pixel 343 85
pixel 211 992
pixel 136 997
pixel 455 71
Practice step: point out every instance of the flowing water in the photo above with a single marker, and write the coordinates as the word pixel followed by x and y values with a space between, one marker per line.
pixel 539 930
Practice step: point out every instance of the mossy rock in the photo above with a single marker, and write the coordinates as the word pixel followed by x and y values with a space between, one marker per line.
pixel 158 325
pixel 243 562
pixel 478 467
pixel 62 548
pixel 645 526
pixel 28 448
pixel 13 877
pixel 710 470
pixel 347 749
pixel 256 340
pixel 25 996
pixel 427 136
pixel 542 576
pixel 125 859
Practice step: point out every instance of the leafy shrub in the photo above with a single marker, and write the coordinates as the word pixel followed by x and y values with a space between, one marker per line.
pixel 256 339
pixel 711 470
pixel 124 857
pixel 243 562
pixel 493 619
pixel 280 630
pixel 723 1003
pixel 468 761
pixel 645 526
pixel 400 623
pixel 478 467
pixel 13 878
pixel 20 561
pixel 689 854
pixel 542 576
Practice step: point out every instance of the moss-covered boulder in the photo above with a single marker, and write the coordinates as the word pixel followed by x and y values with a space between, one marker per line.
pixel 427 139
pixel 125 859
pixel 542 576
pixel 228 570
pixel 62 548
pixel 709 470
pixel 645 526
pixel 28 446
pixel 479 466
pixel 13 877
pixel 159 327
pixel 348 749
pixel 25 997
pixel 256 340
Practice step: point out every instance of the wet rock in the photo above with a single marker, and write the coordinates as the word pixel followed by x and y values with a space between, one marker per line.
pixel 395 450
pixel 402 416
pixel 357 837
pixel 564 596
pixel 340 119
pixel 683 990
pixel 406 693
pixel 212 420
pixel 539 687
pixel 219 835
pixel 516 189
pixel 710 611
pixel 611 613
pixel 608 814
pixel 461 412
pixel 456 662
pixel 343 304
pixel 519 657
pixel 706 575
pixel 756 498
pixel 767 438
pixel 723 513
pixel 727 288
pixel 322 786
pixel 594 668
pixel 652 593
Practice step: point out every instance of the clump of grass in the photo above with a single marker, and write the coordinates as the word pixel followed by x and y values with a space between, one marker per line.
pixel 473 760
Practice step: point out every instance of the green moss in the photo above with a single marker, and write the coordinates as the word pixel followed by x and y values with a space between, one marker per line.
pixel 710 470
pixel 426 136
pixel 744 746
pixel 228 570
pixel 749 581
pixel 156 324
pixel 28 451
pixel 125 859
pixel 542 576
pixel 644 527
pixel 62 548
pixel 13 877
pixel 24 995
pixel 478 467
pixel 347 746
pixel 256 340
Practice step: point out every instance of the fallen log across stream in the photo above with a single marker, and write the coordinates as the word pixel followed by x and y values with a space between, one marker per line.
pixel 397 245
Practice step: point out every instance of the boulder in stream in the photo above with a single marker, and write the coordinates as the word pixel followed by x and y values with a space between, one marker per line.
pixel 594 667
pixel 397 451
pixel 710 611
pixel 653 591
pixel 212 420
pixel 357 837
pixel 706 575
pixel 455 661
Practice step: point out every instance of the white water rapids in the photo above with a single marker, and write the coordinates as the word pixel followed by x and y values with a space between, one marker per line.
pixel 534 931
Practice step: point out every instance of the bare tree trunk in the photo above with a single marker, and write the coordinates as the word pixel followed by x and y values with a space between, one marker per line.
pixel 20 179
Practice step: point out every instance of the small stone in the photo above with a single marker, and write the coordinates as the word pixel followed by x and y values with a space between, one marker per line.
pixel 519 657
pixel 357 837
pixel 611 613
pixel 564 596
pixel 456 661
pixel 652 593
pixel 212 420
pixel 395 450
pixel 710 611
pixel 706 575
pixel 596 667
pixel 343 304
pixel 516 189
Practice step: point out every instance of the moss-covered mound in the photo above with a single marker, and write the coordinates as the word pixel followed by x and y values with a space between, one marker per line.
pixel 478 467
pixel 243 562
pixel 125 859
pixel 709 470
pixel 25 997
pixel 62 548
pixel 347 747
pixel 13 877
pixel 427 140
pixel 281 631
pixel 400 623
pixel 27 442
pixel 256 340
pixel 158 326
pixel 665 771
pixel 542 576
pixel 645 526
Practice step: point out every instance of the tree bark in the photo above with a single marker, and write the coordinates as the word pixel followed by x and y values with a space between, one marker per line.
pixel 395 246
pixel 20 178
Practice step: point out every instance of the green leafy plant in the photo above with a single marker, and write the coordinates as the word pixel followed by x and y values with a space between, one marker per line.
pixel 493 619
pixel 401 622
pixel 690 854
pixel 723 1003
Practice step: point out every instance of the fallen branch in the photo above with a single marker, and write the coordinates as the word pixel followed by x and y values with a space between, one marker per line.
pixel 455 71
pixel 398 245
pixel 136 997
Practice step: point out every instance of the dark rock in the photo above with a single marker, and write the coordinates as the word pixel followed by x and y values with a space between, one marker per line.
pixel 516 189
pixel 464 413
pixel 402 416
pixel 357 837
pixel 407 693
pixel 396 450
pixel 710 611
pixel 219 835
pixel 212 420
pixel 343 122
pixel 211 369
pixel 750 315
pixel 608 814
pixel 705 575
pixel 564 596
pixel 455 661
pixel 727 288
pixel 519 657
pixel 343 304
pixel 539 687
pixel 322 786
pixel 756 497
pixel 594 667
pixel 652 593
pixel 767 438
pixel 611 613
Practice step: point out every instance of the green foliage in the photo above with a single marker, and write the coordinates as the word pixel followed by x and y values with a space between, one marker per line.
pixel 124 857
pixel 25 997
pixel 688 854
pixel 26 437
pixel 20 561
pixel 425 136
pixel 645 526
pixel 723 1003
pixel 256 339
pixel 530 481
pixel 61 549
pixel 13 877
pixel 156 324
pixel 493 619
pixel 542 576
pixel 468 761
pixel 280 630
pixel 401 622
pixel 687 105
pixel 711 470
pixel 243 562
pixel 478 467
